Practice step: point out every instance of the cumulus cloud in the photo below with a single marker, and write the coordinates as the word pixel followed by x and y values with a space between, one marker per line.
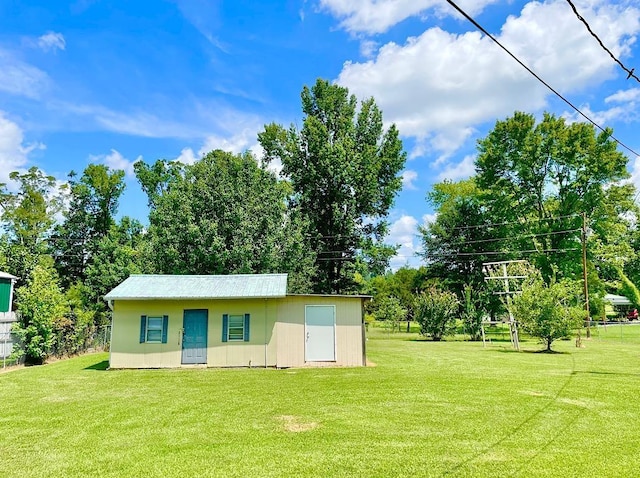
pixel 404 232
pixel 115 160
pixel 437 87
pixel 457 171
pixel 52 41
pixel 408 179
pixel 377 16
pixel 13 151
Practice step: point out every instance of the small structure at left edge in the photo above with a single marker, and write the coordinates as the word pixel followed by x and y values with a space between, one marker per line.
pixel 7 316
pixel 243 320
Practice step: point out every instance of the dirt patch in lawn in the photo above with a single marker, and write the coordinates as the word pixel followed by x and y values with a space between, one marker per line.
pixel 295 424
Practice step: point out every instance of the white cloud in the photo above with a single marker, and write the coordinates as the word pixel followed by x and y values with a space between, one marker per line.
pixel 635 172
pixel 439 86
pixel 13 152
pixel 52 41
pixel 187 156
pixel 20 78
pixel 461 170
pixel 622 96
pixel 404 232
pixel 408 179
pixel 115 160
pixel 377 16
pixel 368 48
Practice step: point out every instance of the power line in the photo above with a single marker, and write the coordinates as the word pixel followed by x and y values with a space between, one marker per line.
pixel 630 73
pixel 483 30
pixel 520 223
pixel 495 253
pixel 521 236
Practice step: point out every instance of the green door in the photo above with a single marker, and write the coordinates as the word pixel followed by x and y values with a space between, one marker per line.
pixel 194 336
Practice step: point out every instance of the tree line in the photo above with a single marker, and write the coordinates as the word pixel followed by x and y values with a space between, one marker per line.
pixel 323 221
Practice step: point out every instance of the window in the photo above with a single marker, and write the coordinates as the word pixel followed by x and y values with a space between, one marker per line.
pixel 235 328
pixel 153 330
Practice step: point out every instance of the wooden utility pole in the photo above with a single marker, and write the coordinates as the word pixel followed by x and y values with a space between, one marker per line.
pixel 584 273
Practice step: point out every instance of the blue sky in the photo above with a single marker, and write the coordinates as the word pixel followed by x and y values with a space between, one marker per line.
pixel 112 81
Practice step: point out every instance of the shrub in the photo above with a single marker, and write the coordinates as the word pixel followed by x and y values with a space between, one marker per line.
pixel 436 312
pixel 548 312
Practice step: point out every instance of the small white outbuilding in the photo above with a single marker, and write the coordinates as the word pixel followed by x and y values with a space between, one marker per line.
pixel 231 321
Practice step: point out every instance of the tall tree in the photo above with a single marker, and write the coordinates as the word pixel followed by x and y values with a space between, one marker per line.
pixel 117 256
pixel 226 214
pixel 344 170
pixel 93 203
pixel 28 215
pixel 532 174
pixel 533 182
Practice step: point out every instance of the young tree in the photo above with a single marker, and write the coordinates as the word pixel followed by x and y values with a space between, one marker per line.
pixel 344 171
pixel 41 303
pixel 391 311
pixel 436 312
pixel 548 312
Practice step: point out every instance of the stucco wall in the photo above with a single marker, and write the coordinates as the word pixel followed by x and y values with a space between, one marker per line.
pixel 128 352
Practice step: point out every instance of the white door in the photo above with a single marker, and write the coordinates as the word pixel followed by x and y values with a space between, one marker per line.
pixel 320 333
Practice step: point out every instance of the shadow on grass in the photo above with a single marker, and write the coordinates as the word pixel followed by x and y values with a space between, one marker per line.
pixel 593 372
pixel 104 365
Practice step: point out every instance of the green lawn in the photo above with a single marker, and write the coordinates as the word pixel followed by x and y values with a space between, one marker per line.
pixel 427 409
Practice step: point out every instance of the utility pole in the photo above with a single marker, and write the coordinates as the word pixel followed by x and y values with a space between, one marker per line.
pixel 584 273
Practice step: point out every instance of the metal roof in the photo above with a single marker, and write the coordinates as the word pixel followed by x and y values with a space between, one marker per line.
pixel 6 275
pixel 145 287
pixel 617 299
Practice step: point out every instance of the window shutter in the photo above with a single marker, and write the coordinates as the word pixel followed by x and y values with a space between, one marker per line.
pixel 143 328
pixel 225 327
pixel 165 324
pixel 246 327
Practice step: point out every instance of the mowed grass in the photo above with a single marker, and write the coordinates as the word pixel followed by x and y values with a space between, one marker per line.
pixel 426 409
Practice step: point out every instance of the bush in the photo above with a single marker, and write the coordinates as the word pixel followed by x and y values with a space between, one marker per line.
pixel 548 312
pixel 436 312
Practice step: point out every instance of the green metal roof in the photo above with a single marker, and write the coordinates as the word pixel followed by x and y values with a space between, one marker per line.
pixel 238 286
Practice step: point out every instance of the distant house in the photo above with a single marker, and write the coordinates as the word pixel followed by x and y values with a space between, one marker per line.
pixel 231 321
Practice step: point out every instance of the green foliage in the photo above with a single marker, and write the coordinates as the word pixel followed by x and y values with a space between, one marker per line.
pixel 474 310
pixel 344 170
pixel 41 304
pixel 93 204
pixel 548 312
pixel 436 312
pixel 226 214
pixel 117 256
pixel 390 310
pixel 629 289
pixel 28 215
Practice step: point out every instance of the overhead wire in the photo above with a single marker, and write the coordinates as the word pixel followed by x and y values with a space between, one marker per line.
pixel 535 75
pixel 630 72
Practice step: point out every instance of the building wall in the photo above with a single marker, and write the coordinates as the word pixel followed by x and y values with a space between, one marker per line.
pixel 290 329
pixel 128 352
pixel 278 323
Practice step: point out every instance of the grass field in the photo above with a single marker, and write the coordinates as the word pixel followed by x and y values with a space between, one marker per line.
pixel 426 409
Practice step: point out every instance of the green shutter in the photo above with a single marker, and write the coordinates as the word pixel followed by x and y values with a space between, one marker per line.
pixel 225 327
pixel 246 327
pixel 5 295
pixel 143 328
pixel 165 324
